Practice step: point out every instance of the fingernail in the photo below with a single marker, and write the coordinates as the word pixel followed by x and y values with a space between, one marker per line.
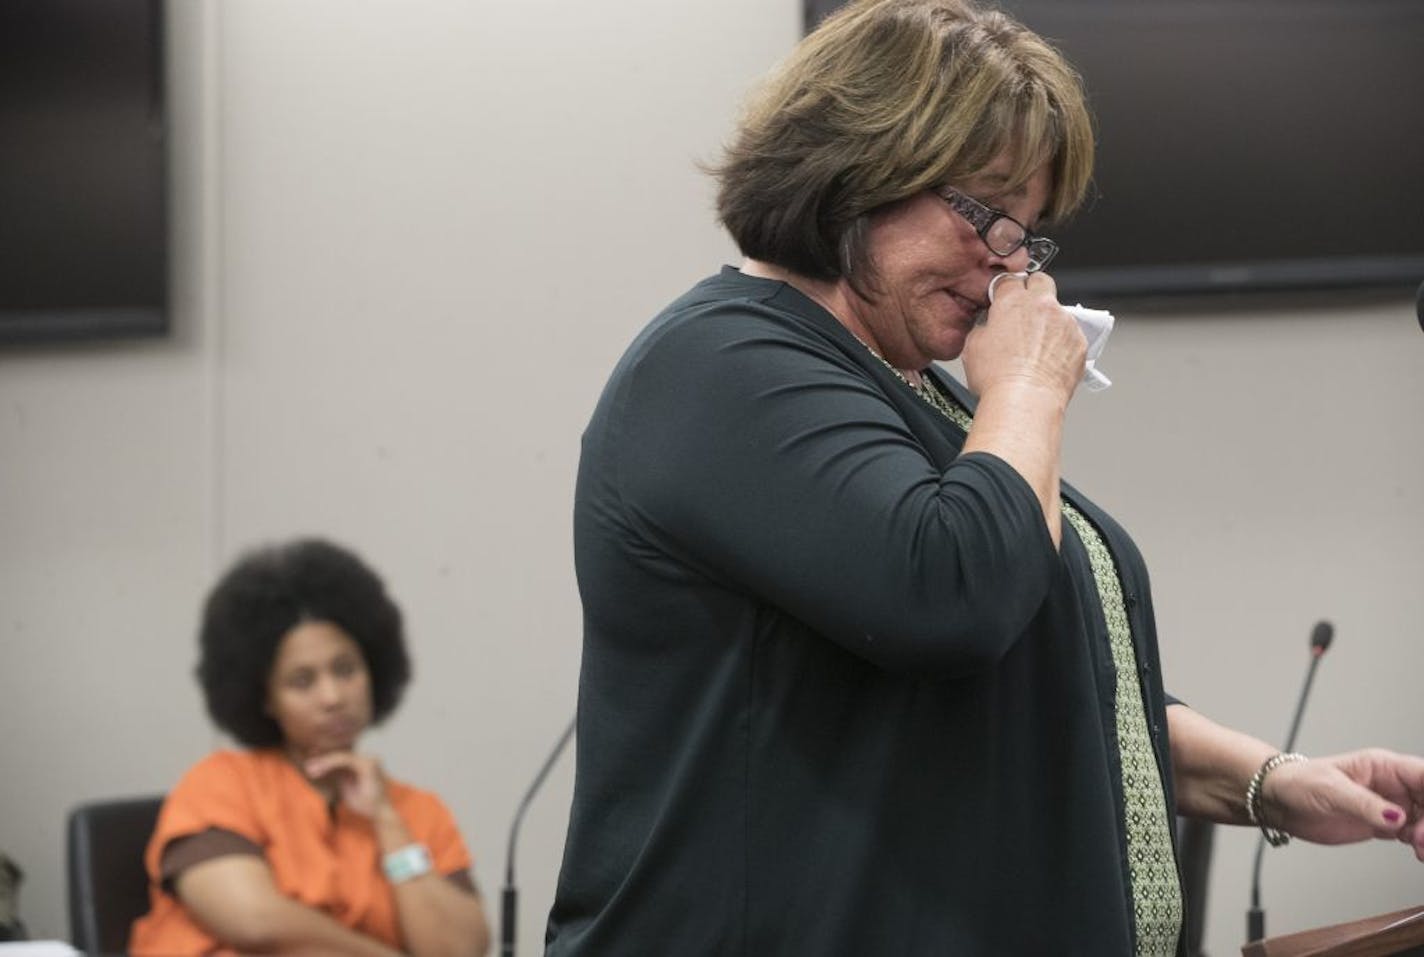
pixel 1392 816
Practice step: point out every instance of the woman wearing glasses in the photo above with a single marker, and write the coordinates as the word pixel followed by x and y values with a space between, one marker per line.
pixel 861 675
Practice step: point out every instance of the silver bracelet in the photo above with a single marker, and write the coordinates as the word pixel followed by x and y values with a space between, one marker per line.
pixel 1274 836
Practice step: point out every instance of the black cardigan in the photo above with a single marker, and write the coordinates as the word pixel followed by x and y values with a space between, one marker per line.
pixel 839 693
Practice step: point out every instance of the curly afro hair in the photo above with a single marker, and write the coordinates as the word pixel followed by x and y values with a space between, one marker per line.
pixel 263 596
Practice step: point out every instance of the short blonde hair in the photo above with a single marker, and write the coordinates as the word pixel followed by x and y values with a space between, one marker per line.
pixel 885 99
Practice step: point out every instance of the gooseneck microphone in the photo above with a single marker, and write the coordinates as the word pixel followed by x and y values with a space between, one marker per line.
pixel 509 898
pixel 1320 637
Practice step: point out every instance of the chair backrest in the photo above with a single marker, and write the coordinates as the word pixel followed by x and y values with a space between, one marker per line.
pixel 108 886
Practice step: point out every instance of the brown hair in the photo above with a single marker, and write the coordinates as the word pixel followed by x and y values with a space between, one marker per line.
pixel 885 99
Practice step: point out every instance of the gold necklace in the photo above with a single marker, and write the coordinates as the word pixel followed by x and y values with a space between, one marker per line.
pixel 929 391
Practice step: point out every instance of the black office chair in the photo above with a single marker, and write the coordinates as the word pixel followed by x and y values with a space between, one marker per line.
pixel 108 886
pixel 11 927
pixel 1194 840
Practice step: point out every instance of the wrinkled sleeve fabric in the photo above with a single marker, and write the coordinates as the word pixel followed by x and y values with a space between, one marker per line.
pixel 212 795
pixel 182 853
pixel 434 826
pixel 772 463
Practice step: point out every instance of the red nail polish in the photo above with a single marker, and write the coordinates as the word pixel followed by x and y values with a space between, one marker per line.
pixel 1392 816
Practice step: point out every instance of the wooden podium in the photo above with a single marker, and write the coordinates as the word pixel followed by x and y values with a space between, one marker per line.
pixel 1401 932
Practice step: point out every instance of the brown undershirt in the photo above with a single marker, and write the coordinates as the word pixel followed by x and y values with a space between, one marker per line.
pixel 183 852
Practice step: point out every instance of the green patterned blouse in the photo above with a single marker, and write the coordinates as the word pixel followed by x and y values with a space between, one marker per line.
pixel 1156 892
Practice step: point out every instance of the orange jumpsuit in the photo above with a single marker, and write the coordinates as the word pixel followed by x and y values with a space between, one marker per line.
pixel 329 862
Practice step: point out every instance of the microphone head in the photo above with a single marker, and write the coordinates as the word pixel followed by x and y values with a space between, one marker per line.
pixel 1320 637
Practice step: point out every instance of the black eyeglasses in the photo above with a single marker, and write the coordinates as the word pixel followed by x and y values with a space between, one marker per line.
pixel 1001 232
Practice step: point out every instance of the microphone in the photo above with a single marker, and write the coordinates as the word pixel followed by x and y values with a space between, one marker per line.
pixel 1419 305
pixel 1320 638
pixel 509 897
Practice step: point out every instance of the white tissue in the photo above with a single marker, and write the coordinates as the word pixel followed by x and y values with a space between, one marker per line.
pixel 1096 324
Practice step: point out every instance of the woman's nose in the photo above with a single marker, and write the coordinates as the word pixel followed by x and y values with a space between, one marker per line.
pixel 328 690
pixel 1016 261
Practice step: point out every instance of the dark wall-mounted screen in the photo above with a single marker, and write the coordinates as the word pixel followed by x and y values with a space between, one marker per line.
pixel 83 223
pixel 1244 144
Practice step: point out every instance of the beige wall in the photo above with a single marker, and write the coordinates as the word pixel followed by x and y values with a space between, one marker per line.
pixel 411 240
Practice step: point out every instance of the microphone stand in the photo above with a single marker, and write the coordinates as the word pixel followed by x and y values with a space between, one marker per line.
pixel 1256 917
pixel 509 897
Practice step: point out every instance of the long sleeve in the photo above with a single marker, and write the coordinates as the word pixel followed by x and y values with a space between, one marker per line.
pixel 768 458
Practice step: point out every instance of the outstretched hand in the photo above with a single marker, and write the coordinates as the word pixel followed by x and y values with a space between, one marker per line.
pixel 1351 797
pixel 358 779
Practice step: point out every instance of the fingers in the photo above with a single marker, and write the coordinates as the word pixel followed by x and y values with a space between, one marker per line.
pixel 1405 769
pixel 1405 785
pixel 1375 812
pixel 321 766
pixel 1011 283
pixel 359 766
pixel 1353 797
pixel 357 778
pixel 1411 833
pixel 1042 282
pixel 1396 782
pixel 1414 836
pixel 1373 808
pixel 1384 818
pixel 1028 337
pixel 999 277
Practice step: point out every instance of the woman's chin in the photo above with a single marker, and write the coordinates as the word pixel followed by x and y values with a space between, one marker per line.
pixel 950 328
pixel 949 344
pixel 344 742
pixel 319 747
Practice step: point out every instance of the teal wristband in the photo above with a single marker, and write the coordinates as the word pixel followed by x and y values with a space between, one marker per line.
pixel 407 863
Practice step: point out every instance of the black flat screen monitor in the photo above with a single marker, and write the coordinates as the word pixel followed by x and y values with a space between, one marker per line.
pixel 1243 144
pixel 83 219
